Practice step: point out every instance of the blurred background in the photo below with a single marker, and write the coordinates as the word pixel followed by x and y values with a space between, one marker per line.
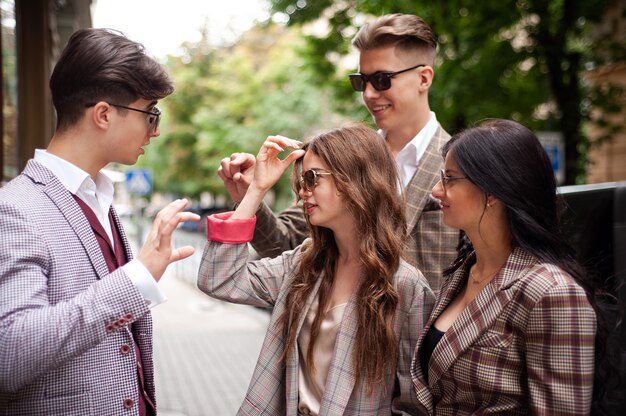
pixel 245 69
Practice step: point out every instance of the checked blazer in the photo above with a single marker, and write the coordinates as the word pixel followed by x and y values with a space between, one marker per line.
pixel 225 273
pixel 525 345
pixel 65 346
pixel 430 246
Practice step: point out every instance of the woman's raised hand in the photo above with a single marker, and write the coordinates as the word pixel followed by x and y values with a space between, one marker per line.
pixel 269 167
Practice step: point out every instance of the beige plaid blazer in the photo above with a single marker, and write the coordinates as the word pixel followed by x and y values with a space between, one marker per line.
pixel 65 344
pixel 431 246
pixel 524 346
pixel 225 273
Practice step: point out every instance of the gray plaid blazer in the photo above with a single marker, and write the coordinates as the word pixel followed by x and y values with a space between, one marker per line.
pixel 63 317
pixel 225 273
pixel 524 346
pixel 431 245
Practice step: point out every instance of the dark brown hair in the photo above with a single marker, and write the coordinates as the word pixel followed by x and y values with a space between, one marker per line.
pixel 103 65
pixel 365 175
pixel 407 32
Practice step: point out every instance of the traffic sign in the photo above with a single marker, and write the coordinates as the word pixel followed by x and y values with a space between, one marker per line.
pixel 139 181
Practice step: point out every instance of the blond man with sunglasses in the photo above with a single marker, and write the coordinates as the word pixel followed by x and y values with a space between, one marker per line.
pixel 396 71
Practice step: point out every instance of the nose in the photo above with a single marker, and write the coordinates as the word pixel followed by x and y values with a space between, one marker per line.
pixel 303 193
pixel 438 190
pixel 156 132
pixel 370 91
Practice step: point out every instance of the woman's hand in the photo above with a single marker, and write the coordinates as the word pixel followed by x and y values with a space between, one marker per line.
pixel 267 171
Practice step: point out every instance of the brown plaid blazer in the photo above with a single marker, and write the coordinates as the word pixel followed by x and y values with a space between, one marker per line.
pixel 431 246
pixel 225 273
pixel 63 317
pixel 524 346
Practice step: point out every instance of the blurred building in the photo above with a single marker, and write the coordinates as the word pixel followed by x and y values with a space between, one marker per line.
pixel 33 34
pixel 608 159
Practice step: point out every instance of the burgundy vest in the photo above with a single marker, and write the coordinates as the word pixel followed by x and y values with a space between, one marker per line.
pixel 115 258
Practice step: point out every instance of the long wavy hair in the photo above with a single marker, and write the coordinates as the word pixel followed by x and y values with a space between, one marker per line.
pixel 506 160
pixel 365 175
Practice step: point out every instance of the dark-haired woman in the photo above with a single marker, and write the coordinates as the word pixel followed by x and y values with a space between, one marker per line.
pixel 513 328
pixel 346 310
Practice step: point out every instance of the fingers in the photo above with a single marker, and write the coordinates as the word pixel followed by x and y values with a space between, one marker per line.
pixel 284 142
pixel 182 253
pixel 296 154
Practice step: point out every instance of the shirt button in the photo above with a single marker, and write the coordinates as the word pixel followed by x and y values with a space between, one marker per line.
pixel 128 403
pixel 125 349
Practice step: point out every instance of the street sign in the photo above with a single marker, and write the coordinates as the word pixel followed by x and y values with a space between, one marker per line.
pixel 139 182
pixel 554 146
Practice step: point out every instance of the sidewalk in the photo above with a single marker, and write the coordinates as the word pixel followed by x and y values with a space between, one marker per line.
pixel 205 350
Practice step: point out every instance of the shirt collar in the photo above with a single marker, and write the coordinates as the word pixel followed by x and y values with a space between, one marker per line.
pixel 414 150
pixel 72 177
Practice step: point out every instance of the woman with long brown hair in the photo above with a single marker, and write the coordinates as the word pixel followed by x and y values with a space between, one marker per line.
pixel 346 310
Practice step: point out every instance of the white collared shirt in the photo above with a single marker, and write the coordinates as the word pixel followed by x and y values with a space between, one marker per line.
pixel 98 196
pixel 409 157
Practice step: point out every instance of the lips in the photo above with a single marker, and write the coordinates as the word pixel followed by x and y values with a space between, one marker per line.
pixel 308 207
pixel 375 109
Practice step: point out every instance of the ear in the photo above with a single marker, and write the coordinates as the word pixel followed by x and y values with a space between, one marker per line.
pixel 426 74
pixel 101 115
pixel 491 201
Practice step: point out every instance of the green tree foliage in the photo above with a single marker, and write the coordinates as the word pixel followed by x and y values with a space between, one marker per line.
pixel 229 99
pixel 512 59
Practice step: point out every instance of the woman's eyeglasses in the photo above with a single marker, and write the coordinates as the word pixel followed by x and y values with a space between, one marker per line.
pixel 310 178
pixel 381 81
pixel 445 180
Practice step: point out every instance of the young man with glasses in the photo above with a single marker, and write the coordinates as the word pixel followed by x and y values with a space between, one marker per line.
pixel 396 64
pixel 75 324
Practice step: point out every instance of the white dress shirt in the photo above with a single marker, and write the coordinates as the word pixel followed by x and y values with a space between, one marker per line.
pixel 98 195
pixel 409 157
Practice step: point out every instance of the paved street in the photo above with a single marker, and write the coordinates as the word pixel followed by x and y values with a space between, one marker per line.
pixel 205 350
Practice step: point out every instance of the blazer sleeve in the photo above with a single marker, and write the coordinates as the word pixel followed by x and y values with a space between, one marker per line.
pixel 560 352
pixel 417 302
pixel 36 336
pixel 227 273
pixel 275 234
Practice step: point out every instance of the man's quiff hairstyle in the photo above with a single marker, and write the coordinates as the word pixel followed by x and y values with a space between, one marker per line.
pixel 104 65
pixel 407 32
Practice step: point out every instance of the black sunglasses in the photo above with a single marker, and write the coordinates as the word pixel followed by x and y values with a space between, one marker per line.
pixel 154 115
pixel 381 80
pixel 310 178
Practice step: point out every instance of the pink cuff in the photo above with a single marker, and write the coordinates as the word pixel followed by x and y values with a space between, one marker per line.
pixel 222 229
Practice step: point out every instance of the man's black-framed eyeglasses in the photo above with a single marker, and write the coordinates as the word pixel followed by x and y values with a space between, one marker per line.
pixel 381 80
pixel 445 180
pixel 310 178
pixel 154 115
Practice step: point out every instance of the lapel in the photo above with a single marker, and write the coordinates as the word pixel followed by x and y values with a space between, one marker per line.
pixel 293 358
pixel 68 207
pixel 118 224
pixel 479 315
pixel 341 375
pixel 418 190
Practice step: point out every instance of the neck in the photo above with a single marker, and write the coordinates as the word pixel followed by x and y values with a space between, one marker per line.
pixel 398 137
pixel 490 257
pixel 347 245
pixel 76 149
